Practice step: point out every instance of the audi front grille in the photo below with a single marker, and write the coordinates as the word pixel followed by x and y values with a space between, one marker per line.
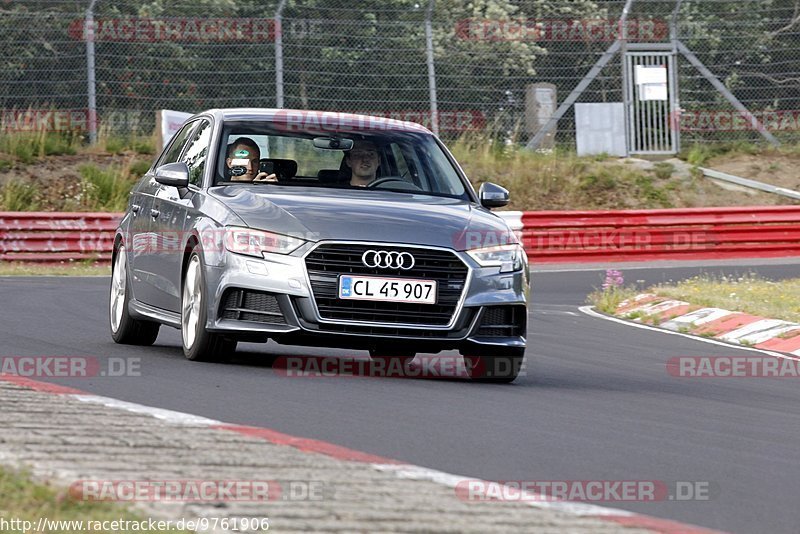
pixel 328 261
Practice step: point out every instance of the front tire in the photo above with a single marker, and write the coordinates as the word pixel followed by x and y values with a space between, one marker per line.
pixel 495 365
pixel 125 329
pixel 198 343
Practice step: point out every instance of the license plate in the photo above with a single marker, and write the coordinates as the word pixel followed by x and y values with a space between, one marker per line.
pixel 387 289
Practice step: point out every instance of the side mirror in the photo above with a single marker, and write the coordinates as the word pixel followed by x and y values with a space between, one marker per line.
pixel 493 196
pixel 174 174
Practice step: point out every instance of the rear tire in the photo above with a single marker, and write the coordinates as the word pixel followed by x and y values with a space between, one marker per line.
pixel 495 365
pixel 125 329
pixel 199 344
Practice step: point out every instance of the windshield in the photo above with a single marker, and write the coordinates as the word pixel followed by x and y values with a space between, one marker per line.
pixel 402 161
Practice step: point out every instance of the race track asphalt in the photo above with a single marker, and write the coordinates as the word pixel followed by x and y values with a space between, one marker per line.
pixel 596 402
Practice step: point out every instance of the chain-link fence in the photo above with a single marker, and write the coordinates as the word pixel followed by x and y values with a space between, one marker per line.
pixel 454 66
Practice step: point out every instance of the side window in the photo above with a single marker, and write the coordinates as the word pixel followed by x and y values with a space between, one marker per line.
pixel 400 161
pixel 197 151
pixel 416 169
pixel 174 151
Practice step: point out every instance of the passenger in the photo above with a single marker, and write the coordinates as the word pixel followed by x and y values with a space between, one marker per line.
pixel 363 160
pixel 245 148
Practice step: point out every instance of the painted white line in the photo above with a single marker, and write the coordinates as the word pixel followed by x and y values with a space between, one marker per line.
pixel 697 317
pixel 402 471
pixel 413 472
pixel 178 418
pixel 588 310
pixel 759 331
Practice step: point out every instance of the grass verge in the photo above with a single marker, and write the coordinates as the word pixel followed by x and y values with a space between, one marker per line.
pixel 562 180
pixel 749 293
pixel 107 189
pixel 25 500
pixel 49 172
pixel 27 147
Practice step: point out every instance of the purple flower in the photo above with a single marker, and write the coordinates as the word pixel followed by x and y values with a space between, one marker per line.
pixel 613 280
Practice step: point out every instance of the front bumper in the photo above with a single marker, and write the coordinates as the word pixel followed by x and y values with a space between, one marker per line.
pixel 284 278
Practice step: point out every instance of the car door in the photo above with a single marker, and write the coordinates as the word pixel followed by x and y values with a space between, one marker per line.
pixel 139 239
pixel 172 207
pixel 152 285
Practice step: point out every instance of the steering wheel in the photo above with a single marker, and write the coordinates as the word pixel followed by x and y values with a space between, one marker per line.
pixel 387 179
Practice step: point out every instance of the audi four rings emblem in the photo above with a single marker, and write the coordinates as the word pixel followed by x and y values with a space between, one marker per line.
pixel 385 259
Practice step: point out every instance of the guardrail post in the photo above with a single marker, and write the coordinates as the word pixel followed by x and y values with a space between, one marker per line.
pixel 91 82
pixel 279 55
pixel 431 68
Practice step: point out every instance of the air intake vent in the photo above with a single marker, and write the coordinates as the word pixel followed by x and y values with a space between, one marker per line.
pixel 248 305
pixel 503 321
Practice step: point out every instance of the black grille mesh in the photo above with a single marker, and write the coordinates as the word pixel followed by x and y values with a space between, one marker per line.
pixel 502 321
pixel 327 262
pixel 248 305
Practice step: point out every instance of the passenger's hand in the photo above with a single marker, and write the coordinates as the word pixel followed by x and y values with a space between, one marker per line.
pixel 264 177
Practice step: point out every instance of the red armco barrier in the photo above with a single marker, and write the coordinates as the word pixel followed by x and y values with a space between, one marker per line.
pixel 636 235
pixel 54 237
pixel 548 236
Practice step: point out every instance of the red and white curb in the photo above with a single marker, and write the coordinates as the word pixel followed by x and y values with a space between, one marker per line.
pixel 778 337
pixel 386 465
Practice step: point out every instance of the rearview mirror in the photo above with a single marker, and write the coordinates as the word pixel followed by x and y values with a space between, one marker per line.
pixel 493 196
pixel 174 174
pixel 333 143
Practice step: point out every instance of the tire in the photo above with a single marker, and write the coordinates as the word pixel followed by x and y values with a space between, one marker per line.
pixel 125 329
pixel 500 365
pixel 199 345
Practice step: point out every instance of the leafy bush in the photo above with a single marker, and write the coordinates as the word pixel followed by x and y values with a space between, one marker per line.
pixel 663 170
pixel 105 189
pixel 27 147
pixel 139 168
pixel 18 196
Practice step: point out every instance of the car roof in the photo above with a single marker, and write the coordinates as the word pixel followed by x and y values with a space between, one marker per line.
pixel 314 120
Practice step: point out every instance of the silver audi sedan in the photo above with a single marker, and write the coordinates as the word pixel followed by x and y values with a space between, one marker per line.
pixel 319 229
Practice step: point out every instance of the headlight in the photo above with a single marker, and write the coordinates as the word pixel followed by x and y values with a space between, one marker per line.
pixel 256 242
pixel 508 257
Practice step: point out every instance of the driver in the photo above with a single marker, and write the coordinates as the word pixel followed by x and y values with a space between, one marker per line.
pixel 363 160
pixel 244 152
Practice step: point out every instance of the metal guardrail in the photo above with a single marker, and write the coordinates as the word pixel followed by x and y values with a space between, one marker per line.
pixel 548 236
pixel 635 235
pixel 750 184
pixel 56 237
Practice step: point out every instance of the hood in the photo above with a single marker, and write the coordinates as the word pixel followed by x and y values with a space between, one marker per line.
pixel 342 214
